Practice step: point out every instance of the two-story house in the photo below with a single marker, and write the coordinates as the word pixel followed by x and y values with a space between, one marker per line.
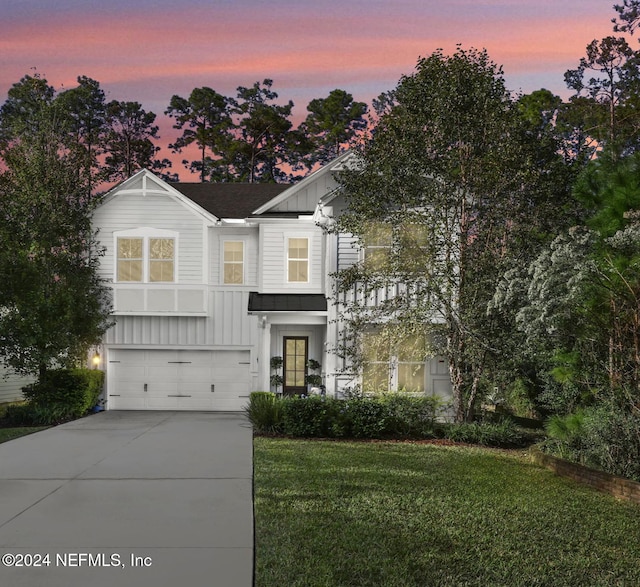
pixel 210 281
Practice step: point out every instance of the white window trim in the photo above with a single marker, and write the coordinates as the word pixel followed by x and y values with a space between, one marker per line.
pixel 244 260
pixel 289 283
pixel 145 233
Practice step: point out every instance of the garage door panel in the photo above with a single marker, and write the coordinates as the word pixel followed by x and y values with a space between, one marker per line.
pixel 178 380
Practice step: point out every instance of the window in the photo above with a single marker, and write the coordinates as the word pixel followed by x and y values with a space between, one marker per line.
pixel 130 262
pixel 400 367
pixel 233 262
pixel 161 259
pixel 376 363
pixel 415 247
pixel 411 357
pixel 298 260
pixel 378 239
pixel 143 259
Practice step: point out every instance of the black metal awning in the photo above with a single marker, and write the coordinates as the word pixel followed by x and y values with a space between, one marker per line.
pixel 286 302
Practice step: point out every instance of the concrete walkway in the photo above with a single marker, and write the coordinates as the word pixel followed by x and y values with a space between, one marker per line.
pixel 129 499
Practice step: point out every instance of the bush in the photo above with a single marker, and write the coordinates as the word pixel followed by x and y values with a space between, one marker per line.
pixel 365 418
pixel 312 416
pixel 409 416
pixel 503 434
pixel 605 437
pixel 31 414
pixel 74 390
pixel 265 412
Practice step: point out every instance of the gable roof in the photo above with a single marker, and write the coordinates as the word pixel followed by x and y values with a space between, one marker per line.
pixel 146 183
pixel 346 160
pixel 230 200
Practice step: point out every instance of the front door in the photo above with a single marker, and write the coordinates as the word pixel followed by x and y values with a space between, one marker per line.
pixel 295 364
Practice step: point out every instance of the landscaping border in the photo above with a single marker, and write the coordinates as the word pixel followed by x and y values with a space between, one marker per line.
pixel 617 486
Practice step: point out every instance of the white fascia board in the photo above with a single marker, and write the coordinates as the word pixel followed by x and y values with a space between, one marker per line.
pixel 152 184
pixel 306 219
pixel 336 165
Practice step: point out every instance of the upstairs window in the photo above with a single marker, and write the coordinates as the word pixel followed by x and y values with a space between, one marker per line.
pixel 233 262
pixel 146 259
pixel 161 255
pixel 130 259
pixel 378 240
pixel 298 260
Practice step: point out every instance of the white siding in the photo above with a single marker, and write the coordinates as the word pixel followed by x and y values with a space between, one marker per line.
pixel 249 236
pixel 307 197
pixel 348 251
pixel 133 210
pixel 273 258
pixel 10 387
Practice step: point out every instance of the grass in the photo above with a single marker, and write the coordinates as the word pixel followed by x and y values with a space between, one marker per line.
pixel 11 432
pixel 384 514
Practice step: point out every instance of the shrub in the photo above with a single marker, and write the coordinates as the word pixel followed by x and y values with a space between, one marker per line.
pixel 31 414
pixel 265 412
pixel 365 418
pixel 503 434
pixel 76 390
pixel 409 416
pixel 605 437
pixel 611 440
pixel 311 416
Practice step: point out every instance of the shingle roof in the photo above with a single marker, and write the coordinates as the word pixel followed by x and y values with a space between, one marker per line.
pixel 230 200
pixel 287 302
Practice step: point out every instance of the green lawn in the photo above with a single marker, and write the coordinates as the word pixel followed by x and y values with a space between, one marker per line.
pixel 11 433
pixel 345 514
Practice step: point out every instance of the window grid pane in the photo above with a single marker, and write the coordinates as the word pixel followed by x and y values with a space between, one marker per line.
pixel 233 262
pixel 130 259
pixel 298 260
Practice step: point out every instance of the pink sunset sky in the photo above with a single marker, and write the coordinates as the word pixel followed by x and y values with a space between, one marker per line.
pixel 148 50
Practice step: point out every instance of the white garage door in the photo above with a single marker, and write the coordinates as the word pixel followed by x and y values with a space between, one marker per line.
pixel 178 380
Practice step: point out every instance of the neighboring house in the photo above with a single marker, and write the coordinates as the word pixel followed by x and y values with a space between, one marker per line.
pixel 210 281
pixel 11 385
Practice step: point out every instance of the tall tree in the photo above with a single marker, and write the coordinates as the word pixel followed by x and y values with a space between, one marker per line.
pixel 615 78
pixel 85 109
pixel 25 100
pixel 205 121
pixel 263 134
pixel 446 181
pixel 628 16
pixel 332 124
pixel 128 142
pixel 54 306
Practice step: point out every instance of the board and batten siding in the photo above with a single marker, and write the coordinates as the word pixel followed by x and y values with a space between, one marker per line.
pixel 129 211
pixel 228 325
pixel 273 258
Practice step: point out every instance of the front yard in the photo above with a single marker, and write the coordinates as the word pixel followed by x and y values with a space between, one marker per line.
pixel 404 514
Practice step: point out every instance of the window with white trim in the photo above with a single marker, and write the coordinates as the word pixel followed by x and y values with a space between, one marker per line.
pixel 378 240
pixel 297 260
pixel 233 262
pixel 148 258
pixel 398 367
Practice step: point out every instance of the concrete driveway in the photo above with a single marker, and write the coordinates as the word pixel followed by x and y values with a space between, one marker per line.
pixel 129 498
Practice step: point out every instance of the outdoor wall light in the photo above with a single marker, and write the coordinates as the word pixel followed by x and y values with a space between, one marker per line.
pixel 96 360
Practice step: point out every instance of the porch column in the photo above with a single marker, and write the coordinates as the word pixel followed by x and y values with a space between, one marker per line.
pixel 265 355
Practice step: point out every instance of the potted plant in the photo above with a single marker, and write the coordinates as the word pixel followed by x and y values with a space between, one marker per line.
pixel 276 379
pixel 313 379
